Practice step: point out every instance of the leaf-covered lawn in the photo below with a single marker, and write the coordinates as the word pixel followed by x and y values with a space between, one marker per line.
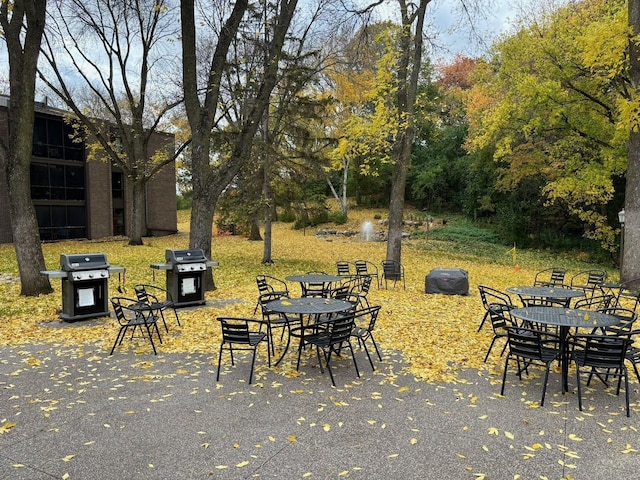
pixel 435 333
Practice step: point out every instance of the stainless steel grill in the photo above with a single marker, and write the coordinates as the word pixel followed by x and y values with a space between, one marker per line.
pixel 185 271
pixel 85 285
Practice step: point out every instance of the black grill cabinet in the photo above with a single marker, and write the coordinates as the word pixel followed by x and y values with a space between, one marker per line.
pixel 451 281
pixel 185 271
pixel 85 285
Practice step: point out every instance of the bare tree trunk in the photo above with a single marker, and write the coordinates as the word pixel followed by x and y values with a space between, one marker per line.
pixel 209 181
pixel 630 268
pixel 268 209
pixel 22 25
pixel 254 233
pixel 138 227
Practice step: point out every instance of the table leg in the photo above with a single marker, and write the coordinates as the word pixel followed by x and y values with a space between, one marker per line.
pixel 564 358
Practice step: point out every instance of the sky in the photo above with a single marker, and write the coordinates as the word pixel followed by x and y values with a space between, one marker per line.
pixel 454 34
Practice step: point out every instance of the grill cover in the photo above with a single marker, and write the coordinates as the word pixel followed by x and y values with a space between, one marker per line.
pixel 450 281
pixel 83 261
pixel 185 256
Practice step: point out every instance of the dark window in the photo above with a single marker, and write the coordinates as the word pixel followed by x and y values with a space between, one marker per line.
pixel 59 222
pixel 51 139
pixel 57 182
pixel 117 185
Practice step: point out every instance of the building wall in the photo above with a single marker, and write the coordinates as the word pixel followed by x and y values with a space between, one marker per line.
pixel 162 211
pixel 161 194
pixel 98 195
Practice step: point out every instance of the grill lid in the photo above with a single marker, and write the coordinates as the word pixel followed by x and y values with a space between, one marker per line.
pixel 193 255
pixel 83 261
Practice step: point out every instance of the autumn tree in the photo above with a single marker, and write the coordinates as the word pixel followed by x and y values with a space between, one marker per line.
pixel 287 137
pixel 630 268
pixel 550 107
pixel 22 25
pixel 361 119
pixel 204 104
pixel 119 55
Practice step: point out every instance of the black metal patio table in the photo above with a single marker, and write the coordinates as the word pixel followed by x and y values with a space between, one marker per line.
pixel 558 294
pixel 565 318
pixel 311 306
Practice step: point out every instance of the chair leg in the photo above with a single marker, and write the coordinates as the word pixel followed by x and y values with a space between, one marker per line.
pixel 490 347
pixel 626 389
pixel 253 361
pixel 219 361
pixel 544 385
pixel 486 315
pixel 579 388
pixel 118 339
pixel 366 350
pixel 504 374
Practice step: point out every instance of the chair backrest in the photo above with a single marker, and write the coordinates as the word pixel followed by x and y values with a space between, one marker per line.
pixel 627 318
pixel 364 267
pixel 340 328
pixel 122 309
pixel 392 269
pixel 235 330
pixel 601 351
pixel 531 343
pixel 141 293
pixel 588 279
pixel 369 315
pixel 550 277
pixel 596 302
pixel 343 268
pixel 629 294
pixel 263 285
pixel 365 285
pixel 500 320
pixel 491 296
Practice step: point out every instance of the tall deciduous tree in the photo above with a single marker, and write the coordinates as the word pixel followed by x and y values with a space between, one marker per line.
pixel 408 73
pixel 119 52
pixel 22 23
pixel 554 108
pixel 203 105
pixel 630 268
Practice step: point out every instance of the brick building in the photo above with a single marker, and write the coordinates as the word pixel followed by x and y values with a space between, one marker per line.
pixel 75 198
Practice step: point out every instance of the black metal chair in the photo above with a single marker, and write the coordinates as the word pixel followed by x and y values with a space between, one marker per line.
pixel 316 289
pixel 493 298
pixel 329 337
pixel 237 334
pixel 392 270
pixel 500 320
pixel 628 295
pixel 364 268
pixel 588 281
pixel 149 294
pixel 269 284
pixel 627 318
pixel 603 356
pixel 550 277
pixel 131 314
pixel 365 323
pixel 527 346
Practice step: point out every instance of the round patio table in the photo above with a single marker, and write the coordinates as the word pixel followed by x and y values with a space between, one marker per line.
pixel 559 294
pixel 565 318
pixel 312 306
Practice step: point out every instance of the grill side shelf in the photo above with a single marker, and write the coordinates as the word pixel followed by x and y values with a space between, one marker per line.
pixel 54 273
